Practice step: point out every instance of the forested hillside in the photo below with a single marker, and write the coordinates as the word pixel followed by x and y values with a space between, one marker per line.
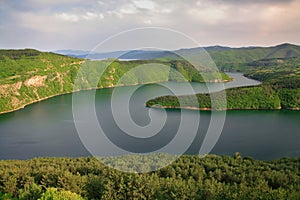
pixel 280 88
pixel 226 58
pixel 255 97
pixel 190 177
pixel 28 75
pixel 237 59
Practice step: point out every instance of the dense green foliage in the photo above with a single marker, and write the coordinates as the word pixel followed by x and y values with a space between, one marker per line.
pixel 13 54
pixel 257 97
pixel 282 73
pixel 280 89
pixel 190 177
pixel 238 59
pixel 29 75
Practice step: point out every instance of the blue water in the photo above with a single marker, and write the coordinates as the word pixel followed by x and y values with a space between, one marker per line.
pixel 47 128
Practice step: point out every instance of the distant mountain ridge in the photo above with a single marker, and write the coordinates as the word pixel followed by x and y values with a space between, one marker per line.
pixel 130 54
pixel 71 52
pixel 222 55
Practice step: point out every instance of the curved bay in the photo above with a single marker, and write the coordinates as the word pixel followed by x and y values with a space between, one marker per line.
pixel 47 129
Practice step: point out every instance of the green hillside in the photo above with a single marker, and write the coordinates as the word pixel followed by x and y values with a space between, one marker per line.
pixel 230 59
pixel 256 97
pixel 284 77
pixel 236 59
pixel 28 75
pixel 276 71
pixel 189 177
pixel 280 89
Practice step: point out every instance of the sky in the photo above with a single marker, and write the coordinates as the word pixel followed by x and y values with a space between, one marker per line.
pixel 82 24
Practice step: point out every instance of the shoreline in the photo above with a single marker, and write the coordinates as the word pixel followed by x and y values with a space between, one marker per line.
pixel 164 107
pixel 126 155
pixel 35 101
pixel 210 109
pixel 122 85
pixel 97 88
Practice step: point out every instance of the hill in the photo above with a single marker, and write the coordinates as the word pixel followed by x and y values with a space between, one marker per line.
pixel 280 89
pixel 236 59
pixel 69 52
pixel 27 76
pixel 126 55
pixel 226 58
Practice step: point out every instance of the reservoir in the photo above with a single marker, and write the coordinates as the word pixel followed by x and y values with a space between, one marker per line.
pixel 47 128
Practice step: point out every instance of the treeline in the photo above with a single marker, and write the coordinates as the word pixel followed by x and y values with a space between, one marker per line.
pixel 190 177
pixel 18 54
pixel 254 97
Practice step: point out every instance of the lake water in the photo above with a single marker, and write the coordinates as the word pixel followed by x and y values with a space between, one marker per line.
pixel 47 128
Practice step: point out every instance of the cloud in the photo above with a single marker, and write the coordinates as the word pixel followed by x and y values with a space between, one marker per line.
pixel 75 18
pixel 92 16
pixel 68 17
pixel 145 4
pixel 51 24
pixel 128 9
pixel 239 2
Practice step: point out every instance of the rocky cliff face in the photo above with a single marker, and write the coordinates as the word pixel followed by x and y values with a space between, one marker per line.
pixel 36 81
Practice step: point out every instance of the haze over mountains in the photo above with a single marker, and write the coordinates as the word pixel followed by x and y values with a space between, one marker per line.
pixel 218 53
pixel 130 54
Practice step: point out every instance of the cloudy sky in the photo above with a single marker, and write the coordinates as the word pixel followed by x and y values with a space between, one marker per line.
pixel 82 24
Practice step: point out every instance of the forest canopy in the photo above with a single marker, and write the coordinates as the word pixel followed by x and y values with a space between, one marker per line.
pixel 190 177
